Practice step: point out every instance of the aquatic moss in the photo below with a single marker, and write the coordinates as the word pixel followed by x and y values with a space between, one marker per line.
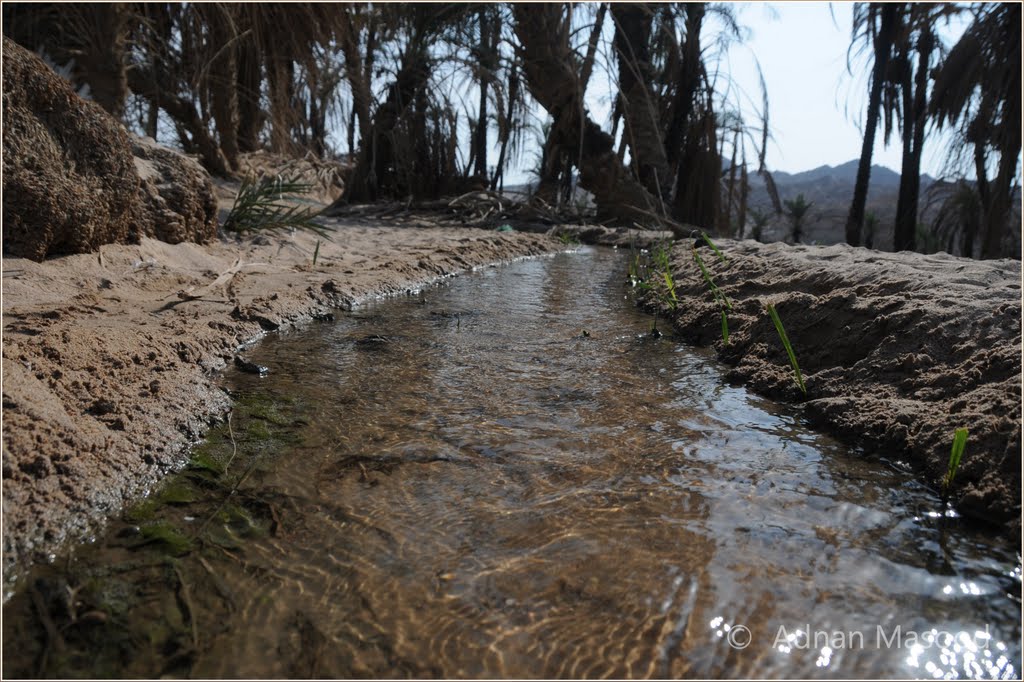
pixel 166 537
pixel 178 491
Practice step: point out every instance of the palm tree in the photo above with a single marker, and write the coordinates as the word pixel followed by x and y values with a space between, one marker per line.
pixel 977 88
pixel 875 23
pixel 797 210
pixel 759 220
pixel 917 40
pixel 550 67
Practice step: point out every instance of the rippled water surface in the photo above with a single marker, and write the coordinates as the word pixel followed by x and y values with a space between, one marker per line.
pixel 505 477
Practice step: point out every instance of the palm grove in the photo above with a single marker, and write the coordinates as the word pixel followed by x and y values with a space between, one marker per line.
pixel 223 79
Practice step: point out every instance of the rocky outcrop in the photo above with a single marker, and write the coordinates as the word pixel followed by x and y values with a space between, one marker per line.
pixel 75 179
pixel 69 176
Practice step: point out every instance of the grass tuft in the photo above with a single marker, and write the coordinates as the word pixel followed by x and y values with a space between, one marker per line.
pixel 959 443
pixel 789 348
pixel 718 294
pixel 707 240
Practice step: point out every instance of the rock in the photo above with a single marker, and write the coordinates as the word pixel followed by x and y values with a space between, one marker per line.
pixel 69 183
pixel 176 192
pixel 75 179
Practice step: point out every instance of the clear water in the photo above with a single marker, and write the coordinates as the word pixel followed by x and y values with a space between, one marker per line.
pixel 506 477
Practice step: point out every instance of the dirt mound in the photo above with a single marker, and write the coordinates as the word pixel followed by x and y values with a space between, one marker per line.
pixel 177 193
pixel 897 351
pixel 75 179
pixel 69 176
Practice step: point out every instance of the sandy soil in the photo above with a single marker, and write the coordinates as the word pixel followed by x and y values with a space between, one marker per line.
pixel 110 359
pixel 897 351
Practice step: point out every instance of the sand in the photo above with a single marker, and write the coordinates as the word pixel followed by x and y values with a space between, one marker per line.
pixel 897 351
pixel 110 360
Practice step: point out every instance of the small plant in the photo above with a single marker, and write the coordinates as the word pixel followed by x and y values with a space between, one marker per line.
pixel 725 329
pixel 316 252
pixel 707 240
pixel 260 207
pixel 655 276
pixel 568 239
pixel 637 268
pixel 789 348
pixel 711 284
pixel 959 443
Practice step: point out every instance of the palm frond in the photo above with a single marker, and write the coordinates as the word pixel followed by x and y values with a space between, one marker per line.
pixel 261 207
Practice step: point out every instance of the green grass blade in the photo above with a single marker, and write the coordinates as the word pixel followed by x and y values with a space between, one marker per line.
pixel 671 286
pixel 714 248
pixel 789 348
pixel 959 443
pixel 707 278
pixel 725 329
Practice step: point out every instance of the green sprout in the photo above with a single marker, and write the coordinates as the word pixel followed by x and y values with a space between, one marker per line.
pixel 959 443
pixel 707 240
pixel 711 285
pixel 789 348
pixel 725 329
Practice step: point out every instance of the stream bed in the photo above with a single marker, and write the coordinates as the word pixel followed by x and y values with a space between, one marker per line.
pixel 507 476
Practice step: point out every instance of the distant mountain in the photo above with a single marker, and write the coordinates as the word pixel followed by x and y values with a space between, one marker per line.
pixel 830 190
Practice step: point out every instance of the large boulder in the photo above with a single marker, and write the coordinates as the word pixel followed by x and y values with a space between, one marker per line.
pixel 72 181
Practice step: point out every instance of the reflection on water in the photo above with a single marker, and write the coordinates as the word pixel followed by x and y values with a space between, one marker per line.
pixel 505 478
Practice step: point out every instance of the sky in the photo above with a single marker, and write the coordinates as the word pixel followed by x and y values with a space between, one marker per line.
pixel 816 105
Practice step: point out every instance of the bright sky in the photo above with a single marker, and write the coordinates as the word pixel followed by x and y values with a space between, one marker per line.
pixel 816 106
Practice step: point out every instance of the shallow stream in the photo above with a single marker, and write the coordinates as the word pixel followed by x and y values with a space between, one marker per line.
pixel 505 476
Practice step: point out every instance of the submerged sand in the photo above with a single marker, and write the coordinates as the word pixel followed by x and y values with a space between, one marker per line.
pixel 110 360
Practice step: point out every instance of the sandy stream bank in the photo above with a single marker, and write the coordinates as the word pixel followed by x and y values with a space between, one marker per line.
pixel 897 351
pixel 111 359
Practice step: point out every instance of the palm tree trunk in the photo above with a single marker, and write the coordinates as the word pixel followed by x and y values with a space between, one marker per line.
pixel 688 85
pixel 1007 135
pixel 883 49
pixel 356 74
pixel 102 63
pixel 485 64
pixel 223 83
pixel 910 172
pixel 513 95
pixel 551 76
pixel 249 76
pixel 279 79
pixel 643 129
